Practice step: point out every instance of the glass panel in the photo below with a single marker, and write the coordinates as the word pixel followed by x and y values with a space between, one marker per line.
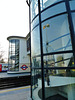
pixel 59 8
pixel 35 42
pixel 35 22
pixel 60 86
pixel 73 18
pixel 34 8
pixel 13 44
pixel 14 55
pixel 28 44
pixel 59 60
pixel 36 62
pixel 72 4
pixel 12 41
pixel 37 84
pixel 46 3
pixel 56 34
pixel 17 42
pixel 10 50
pixel 13 49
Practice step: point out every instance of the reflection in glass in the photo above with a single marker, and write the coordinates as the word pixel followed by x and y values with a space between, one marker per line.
pixel 46 3
pixel 57 9
pixel 56 37
pixel 35 41
pixel 60 86
pixel 72 4
pixel 35 22
pixel 59 60
pixel 73 18
pixel 36 62
pixel 37 84
pixel 34 8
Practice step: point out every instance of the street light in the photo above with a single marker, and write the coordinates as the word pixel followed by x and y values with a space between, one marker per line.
pixel 45 27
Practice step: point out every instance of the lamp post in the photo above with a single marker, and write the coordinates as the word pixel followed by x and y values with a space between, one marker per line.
pixel 45 27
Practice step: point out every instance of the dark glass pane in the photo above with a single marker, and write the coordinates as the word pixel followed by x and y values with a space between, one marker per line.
pixel 12 41
pixel 28 44
pixel 73 18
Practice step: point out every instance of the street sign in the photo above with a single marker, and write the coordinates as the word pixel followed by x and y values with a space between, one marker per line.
pixel 24 67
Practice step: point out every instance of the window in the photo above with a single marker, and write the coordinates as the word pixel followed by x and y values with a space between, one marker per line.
pixel 28 44
pixel 56 37
pixel 13 55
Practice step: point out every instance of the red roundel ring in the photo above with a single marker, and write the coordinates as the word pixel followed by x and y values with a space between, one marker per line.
pixel 24 67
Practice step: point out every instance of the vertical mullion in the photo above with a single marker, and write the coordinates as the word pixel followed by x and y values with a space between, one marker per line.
pixel 30 44
pixel 43 85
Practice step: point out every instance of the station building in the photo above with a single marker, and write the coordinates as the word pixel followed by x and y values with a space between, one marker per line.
pixel 52 31
pixel 19 54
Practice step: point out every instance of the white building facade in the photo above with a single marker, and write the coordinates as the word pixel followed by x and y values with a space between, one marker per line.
pixel 19 56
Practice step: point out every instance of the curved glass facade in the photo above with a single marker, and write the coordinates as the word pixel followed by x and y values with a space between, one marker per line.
pixel 13 55
pixel 53 49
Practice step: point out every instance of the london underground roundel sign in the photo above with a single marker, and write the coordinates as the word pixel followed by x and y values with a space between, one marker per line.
pixel 24 67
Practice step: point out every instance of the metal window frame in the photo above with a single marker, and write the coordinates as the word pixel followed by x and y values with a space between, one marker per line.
pixel 41 47
pixel 72 38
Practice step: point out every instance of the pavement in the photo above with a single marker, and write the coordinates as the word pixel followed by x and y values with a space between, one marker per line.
pixel 6 75
pixel 20 93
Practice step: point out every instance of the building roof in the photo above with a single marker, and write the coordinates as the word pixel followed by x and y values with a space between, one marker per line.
pixel 10 37
pixel 28 35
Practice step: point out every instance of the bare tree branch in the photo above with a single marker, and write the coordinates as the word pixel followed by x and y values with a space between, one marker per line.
pixel 1 55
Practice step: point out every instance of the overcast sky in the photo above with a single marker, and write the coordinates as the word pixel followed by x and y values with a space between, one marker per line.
pixel 13 21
